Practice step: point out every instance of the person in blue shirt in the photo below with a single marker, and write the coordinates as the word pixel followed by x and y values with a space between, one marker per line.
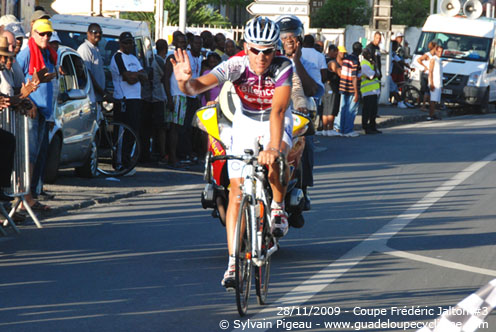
pixel 39 59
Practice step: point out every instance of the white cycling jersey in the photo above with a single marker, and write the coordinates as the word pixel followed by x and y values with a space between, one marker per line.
pixel 251 124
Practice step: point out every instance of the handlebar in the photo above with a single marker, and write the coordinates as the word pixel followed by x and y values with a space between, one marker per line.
pixel 247 158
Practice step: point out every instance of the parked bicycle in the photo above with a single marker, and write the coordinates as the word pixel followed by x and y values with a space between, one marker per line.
pixel 254 243
pixel 118 145
pixel 410 94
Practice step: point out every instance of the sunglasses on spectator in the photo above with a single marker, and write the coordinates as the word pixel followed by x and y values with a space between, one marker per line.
pixel 95 32
pixel 265 51
pixel 44 34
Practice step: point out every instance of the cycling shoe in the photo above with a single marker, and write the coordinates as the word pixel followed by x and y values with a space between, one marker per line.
pixel 280 222
pixel 229 280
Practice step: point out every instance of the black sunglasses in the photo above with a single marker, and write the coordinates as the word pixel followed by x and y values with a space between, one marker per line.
pixel 96 32
pixel 43 34
pixel 256 51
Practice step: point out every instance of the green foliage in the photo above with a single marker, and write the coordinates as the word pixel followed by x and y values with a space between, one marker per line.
pixel 231 3
pixel 340 13
pixel 198 13
pixel 410 13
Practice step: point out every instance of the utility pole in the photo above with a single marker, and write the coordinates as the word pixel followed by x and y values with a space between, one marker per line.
pixel 182 16
pixel 381 21
pixel 159 19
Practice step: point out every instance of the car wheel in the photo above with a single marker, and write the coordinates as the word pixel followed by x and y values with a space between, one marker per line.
pixel 90 166
pixel 53 160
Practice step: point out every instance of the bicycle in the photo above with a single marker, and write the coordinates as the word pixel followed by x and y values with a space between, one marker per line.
pixel 254 242
pixel 410 94
pixel 118 145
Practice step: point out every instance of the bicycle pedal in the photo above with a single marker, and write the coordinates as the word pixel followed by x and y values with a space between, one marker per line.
pixel 230 289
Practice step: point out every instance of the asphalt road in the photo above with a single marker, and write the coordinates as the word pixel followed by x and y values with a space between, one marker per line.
pixel 399 220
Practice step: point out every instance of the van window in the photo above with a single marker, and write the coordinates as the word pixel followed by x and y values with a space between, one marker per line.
pixel 140 52
pixel 107 46
pixel 457 46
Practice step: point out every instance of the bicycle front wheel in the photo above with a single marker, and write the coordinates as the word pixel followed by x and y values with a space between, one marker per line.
pixel 411 96
pixel 262 273
pixel 118 149
pixel 243 256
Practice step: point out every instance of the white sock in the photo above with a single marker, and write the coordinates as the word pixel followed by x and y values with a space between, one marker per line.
pixel 232 260
pixel 277 206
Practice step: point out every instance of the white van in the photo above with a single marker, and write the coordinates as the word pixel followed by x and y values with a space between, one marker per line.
pixel 468 58
pixel 72 32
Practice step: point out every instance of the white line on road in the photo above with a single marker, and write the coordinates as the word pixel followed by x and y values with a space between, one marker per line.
pixel 480 123
pixel 436 261
pixel 377 241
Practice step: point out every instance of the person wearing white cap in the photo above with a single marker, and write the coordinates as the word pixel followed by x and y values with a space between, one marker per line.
pixel 19 34
pixel 399 37
pixel 55 41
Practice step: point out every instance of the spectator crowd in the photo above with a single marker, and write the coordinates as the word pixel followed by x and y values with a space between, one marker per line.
pixel 147 97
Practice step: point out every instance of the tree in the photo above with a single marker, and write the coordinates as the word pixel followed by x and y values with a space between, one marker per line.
pixel 340 13
pixel 410 13
pixel 198 13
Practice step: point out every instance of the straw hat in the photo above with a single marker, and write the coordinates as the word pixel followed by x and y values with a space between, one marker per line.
pixel 4 47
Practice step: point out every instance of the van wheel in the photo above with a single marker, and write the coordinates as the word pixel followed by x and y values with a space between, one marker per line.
pixel 484 106
pixel 53 160
pixel 90 166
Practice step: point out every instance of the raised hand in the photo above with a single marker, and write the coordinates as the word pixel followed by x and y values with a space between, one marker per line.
pixel 28 87
pixel 4 102
pixel 181 65
pixel 43 76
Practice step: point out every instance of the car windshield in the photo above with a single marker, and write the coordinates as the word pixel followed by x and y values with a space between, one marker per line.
pixel 456 46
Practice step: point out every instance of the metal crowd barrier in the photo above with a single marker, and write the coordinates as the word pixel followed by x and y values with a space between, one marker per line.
pixel 17 124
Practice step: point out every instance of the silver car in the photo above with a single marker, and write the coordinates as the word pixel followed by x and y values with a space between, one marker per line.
pixel 73 138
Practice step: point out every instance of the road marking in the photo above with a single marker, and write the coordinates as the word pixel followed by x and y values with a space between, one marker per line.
pixel 375 242
pixel 480 123
pixel 436 261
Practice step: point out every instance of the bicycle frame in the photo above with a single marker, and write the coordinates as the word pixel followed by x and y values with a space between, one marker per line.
pixel 254 187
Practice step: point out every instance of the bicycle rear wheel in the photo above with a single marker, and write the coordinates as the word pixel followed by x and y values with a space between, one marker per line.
pixel 243 256
pixel 262 273
pixel 118 149
pixel 411 96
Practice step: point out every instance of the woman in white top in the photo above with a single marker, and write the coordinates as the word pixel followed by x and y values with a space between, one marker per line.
pixel 424 62
pixel 435 81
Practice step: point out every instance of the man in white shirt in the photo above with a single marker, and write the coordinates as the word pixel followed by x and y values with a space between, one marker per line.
pixel 127 75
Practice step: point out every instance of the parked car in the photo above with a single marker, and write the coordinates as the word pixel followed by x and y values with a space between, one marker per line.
pixel 73 141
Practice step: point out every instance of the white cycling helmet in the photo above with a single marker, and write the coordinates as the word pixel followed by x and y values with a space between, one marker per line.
pixel 261 31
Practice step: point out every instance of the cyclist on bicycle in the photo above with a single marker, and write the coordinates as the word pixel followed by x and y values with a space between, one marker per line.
pixel 263 82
